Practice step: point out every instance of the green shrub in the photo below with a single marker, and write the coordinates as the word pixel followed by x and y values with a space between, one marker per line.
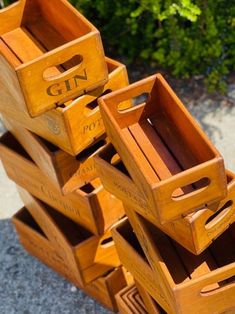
pixel 187 37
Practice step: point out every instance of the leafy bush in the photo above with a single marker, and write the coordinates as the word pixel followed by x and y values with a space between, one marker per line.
pixel 184 36
pixel 188 37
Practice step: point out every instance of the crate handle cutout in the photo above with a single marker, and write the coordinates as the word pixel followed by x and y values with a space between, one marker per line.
pixel 203 182
pixel 135 102
pixel 115 159
pixel 222 285
pixel 48 76
pixel 107 243
pixel 219 215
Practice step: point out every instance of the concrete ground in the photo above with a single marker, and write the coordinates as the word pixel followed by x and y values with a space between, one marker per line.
pixel 27 286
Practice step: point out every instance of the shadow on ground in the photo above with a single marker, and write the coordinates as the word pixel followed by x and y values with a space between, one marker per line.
pixel 29 287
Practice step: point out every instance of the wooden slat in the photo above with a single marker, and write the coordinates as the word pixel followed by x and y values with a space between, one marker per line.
pixel 46 34
pixel 197 265
pixel 21 43
pixel 156 152
pixel 174 141
pixel 162 243
pixel 26 47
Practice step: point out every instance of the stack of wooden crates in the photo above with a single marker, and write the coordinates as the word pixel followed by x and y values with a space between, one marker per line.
pixel 156 165
pixel 52 69
pixel 179 242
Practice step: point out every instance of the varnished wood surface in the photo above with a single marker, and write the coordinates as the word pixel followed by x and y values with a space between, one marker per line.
pixel 72 126
pixel 91 206
pixel 67 172
pixel 92 256
pixel 167 154
pixel 195 231
pixel 185 283
pixel 103 289
pixel 48 73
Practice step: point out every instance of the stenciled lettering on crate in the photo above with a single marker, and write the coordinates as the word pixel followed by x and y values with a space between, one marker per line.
pixel 59 61
pixel 66 86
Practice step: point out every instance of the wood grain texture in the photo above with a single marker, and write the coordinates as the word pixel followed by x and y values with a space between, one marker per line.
pixel 195 231
pixel 204 285
pixel 130 304
pixel 11 16
pixel 43 80
pixel 92 255
pixel 68 173
pixel 72 126
pixel 103 289
pixel 167 154
pixel 92 206
pixel 151 306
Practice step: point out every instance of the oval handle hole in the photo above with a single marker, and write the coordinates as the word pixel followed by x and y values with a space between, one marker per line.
pixel 134 102
pixel 140 99
pixel 87 188
pixel 191 188
pixel 59 70
pixel 219 214
pixel 214 288
pixel 115 159
pixel 106 243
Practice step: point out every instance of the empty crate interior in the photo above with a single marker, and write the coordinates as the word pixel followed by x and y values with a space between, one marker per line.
pixel 45 25
pixel 211 221
pixel 26 218
pixel 10 142
pixel 183 265
pixel 167 139
pixel 110 155
pixel 73 232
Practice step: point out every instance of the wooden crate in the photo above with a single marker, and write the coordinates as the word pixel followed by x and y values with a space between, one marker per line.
pixel 68 173
pixel 50 60
pixel 167 154
pixel 178 280
pixel 91 206
pixel 94 255
pixel 151 306
pixel 103 289
pixel 195 231
pixel 73 125
pixel 129 301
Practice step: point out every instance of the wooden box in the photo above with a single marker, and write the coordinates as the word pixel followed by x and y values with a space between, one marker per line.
pixel 130 301
pixel 73 125
pixel 178 280
pixel 167 154
pixel 195 232
pixel 94 255
pixel 67 172
pixel 56 58
pixel 151 306
pixel 91 206
pixel 36 243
